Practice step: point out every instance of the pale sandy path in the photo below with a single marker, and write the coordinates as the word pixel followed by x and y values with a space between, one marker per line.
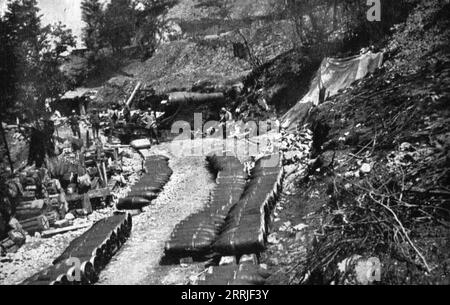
pixel 186 193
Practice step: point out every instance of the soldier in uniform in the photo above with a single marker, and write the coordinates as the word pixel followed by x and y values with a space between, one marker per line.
pixel 151 125
pixel 95 122
pixel 225 117
pixel 75 124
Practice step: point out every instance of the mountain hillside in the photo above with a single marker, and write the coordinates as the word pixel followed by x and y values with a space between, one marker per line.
pixel 377 184
pixel 205 49
pixel 189 10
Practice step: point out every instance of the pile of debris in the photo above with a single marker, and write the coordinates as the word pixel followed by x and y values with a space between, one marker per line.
pixel 230 272
pixel 296 148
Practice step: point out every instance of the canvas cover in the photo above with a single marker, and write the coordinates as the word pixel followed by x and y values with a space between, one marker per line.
pixel 333 75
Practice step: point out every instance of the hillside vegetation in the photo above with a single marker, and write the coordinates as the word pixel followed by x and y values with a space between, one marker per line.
pixel 204 51
pixel 378 183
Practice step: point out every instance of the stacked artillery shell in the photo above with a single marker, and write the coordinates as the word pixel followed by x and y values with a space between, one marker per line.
pixel 246 226
pixel 149 186
pixel 92 251
pixel 194 236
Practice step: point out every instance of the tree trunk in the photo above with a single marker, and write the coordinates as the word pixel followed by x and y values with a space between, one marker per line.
pixel 334 15
pixel 6 147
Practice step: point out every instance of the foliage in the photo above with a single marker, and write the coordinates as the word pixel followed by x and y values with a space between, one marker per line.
pixel 7 68
pixel 35 54
pixel 120 21
pixel 150 23
pixel 324 23
pixel 395 123
pixel 93 17
pixel 119 24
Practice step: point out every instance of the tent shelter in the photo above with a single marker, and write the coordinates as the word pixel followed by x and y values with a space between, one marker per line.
pixel 77 100
pixel 333 75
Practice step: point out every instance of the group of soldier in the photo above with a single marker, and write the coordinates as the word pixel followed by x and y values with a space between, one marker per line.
pixel 146 119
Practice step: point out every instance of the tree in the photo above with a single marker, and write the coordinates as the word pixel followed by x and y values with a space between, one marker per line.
pixel 37 56
pixel 323 23
pixel 150 23
pixel 7 69
pixel 52 81
pixel 7 92
pixel 24 24
pixel 94 18
pixel 119 24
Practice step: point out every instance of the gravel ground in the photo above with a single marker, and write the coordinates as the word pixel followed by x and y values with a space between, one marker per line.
pixel 186 193
pixel 138 261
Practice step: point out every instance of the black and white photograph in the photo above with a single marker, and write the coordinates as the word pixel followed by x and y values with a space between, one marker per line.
pixel 224 148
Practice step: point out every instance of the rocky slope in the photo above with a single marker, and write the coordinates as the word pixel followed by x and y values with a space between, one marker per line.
pixel 203 48
pixel 377 186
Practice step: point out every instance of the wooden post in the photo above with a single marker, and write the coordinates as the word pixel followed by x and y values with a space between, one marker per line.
pixel 105 173
pixel 86 204
pixel 100 174
pixel 88 139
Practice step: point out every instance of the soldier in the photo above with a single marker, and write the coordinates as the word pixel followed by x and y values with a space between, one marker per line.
pixel 114 115
pixel 37 145
pixel 112 125
pixel 49 130
pixel 225 117
pixel 151 125
pixel 74 124
pixel 127 114
pixel 95 122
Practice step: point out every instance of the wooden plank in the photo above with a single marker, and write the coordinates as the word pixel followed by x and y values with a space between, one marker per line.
pixel 53 232
pixel 103 192
pixel 98 193
pixel 117 146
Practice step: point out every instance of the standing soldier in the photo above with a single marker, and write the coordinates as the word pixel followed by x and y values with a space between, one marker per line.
pixel 151 126
pixel 225 117
pixel 127 114
pixel 74 124
pixel 95 122
pixel 114 116
pixel 49 130
pixel 37 145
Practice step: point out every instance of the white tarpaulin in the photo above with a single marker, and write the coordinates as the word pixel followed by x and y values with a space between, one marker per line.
pixel 333 75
